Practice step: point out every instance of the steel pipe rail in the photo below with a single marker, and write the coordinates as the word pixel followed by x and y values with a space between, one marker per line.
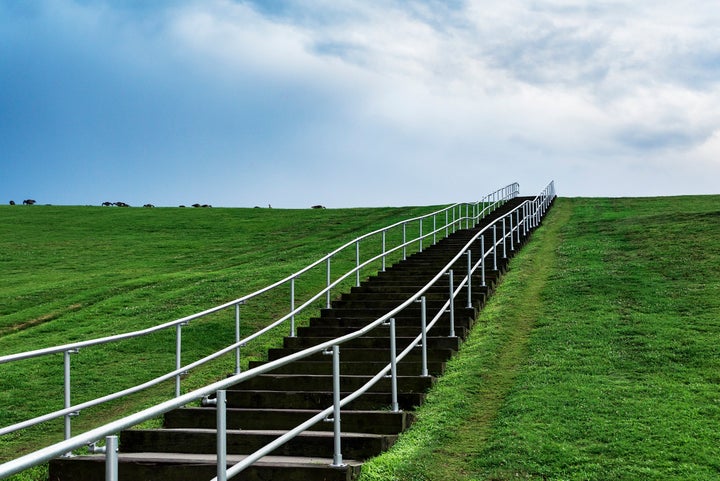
pixel 489 203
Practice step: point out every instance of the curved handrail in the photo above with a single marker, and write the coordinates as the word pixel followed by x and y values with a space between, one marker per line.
pixel 97 433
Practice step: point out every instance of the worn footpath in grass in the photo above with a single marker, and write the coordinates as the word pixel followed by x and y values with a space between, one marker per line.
pixel 75 273
pixel 457 417
pixel 598 358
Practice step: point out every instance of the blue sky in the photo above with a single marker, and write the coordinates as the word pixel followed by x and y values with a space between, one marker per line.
pixel 355 103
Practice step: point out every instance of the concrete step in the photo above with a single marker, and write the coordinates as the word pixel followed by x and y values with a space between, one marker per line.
pixel 363 355
pixel 319 400
pixel 403 289
pixel 198 467
pixel 439 342
pixel 317 382
pixel 370 422
pixel 412 312
pixel 367 368
pixel 386 301
pixel 381 331
pixel 204 441
pixel 361 320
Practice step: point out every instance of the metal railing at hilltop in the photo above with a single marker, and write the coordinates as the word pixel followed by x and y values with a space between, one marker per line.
pixel 513 225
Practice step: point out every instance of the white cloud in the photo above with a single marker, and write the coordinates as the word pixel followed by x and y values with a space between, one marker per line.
pixel 587 90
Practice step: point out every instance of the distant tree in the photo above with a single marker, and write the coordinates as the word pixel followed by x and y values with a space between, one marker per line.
pixel 28 201
pixel 12 202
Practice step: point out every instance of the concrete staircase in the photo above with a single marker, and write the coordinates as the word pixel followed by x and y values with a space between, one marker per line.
pixel 261 409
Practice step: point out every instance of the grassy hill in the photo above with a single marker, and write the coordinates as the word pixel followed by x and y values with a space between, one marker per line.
pixel 76 273
pixel 598 358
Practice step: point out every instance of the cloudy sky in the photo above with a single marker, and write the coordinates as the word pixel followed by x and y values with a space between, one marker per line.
pixel 356 103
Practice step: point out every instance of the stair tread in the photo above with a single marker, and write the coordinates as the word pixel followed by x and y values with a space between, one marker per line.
pixel 263 432
pixel 193 458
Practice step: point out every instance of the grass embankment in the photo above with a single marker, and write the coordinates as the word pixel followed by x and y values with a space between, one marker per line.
pixel 76 273
pixel 598 358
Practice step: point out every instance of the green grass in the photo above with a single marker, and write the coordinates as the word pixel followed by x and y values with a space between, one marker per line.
pixel 598 358
pixel 76 273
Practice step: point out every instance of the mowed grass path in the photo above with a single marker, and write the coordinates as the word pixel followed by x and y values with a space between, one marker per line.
pixel 598 358
pixel 77 273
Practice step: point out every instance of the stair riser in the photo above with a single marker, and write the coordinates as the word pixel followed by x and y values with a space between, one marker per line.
pixel 318 400
pixel 359 368
pixel 373 342
pixel 396 295
pixel 332 331
pixel 82 469
pixel 412 312
pixel 405 290
pixel 360 355
pixel 288 382
pixel 358 321
pixel 369 422
pixel 240 442
pixel 432 304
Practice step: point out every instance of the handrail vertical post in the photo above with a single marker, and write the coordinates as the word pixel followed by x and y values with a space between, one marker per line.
pixel 423 332
pixel 495 247
pixel 337 454
pixel 528 208
pixel 504 240
pixel 66 393
pixel 357 263
pixel 383 251
pixel 404 240
pixel 221 421
pixel 482 258
pixel 452 304
pixel 393 367
pixel 447 232
pixel 178 357
pixel 292 307
pixel 469 275
pixel 517 225
pixel 111 458
pixel 467 216
pixel 512 234
pixel 327 294
pixel 434 229
pixel 237 338
pixel 421 235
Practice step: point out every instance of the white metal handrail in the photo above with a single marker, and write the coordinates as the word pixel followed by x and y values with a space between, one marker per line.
pixel 488 203
pixel 531 216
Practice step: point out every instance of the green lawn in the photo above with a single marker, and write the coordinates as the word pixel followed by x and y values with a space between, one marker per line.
pixel 75 273
pixel 598 358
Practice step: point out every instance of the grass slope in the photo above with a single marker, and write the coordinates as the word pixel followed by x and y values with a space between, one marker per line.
pixel 75 273
pixel 598 358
